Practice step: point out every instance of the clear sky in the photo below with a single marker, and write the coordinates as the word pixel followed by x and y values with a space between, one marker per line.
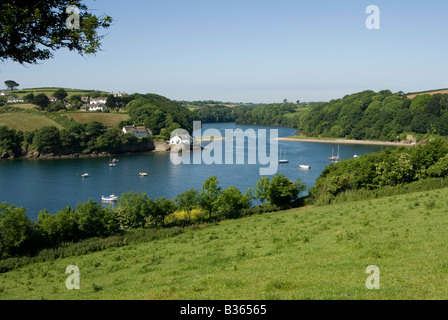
pixel 255 50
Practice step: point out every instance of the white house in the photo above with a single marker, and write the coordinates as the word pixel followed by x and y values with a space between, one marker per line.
pixel 85 99
pixel 15 100
pixel 118 94
pixel 4 93
pixel 93 108
pixel 101 100
pixel 181 139
pixel 53 99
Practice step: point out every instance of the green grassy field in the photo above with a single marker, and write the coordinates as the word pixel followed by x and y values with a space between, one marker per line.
pixel 109 120
pixel 25 121
pixel 49 91
pixel 313 253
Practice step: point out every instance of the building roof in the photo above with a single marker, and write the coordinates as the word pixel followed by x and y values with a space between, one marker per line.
pixel 134 129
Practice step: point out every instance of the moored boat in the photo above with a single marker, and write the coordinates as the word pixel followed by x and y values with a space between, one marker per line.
pixel 111 198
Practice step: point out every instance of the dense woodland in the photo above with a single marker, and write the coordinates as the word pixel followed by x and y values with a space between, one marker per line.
pixel 377 116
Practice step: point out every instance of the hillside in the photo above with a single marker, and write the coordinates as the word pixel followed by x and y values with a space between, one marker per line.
pixel 312 253
pixel 109 120
pixel 370 115
pixel 26 121
pixel 412 95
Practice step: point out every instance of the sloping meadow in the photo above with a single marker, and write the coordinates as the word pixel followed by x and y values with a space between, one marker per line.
pixel 311 253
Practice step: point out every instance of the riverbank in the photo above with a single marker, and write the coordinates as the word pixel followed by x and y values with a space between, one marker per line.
pixel 344 141
pixel 153 146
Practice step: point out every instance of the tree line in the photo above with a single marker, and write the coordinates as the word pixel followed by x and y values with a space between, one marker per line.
pixel 19 236
pixel 369 115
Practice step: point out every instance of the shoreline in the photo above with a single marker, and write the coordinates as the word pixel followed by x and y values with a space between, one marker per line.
pixel 343 141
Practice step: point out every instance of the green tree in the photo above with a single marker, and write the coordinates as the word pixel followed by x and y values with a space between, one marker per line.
pixel 282 191
pixel 47 140
pixel 60 94
pixel 188 201
pixel 41 100
pixel 11 84
pixel 209 195
pixel 10 141
pixel 31 30
pixel 261 189
pixel 29 98
pixel 231 201
pixel 91 219
pixel 132 210
pixel 15 228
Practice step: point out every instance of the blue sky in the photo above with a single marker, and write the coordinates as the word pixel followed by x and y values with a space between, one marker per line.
pixel 255 50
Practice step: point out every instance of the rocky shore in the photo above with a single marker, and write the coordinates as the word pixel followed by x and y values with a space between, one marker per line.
pixel 153 146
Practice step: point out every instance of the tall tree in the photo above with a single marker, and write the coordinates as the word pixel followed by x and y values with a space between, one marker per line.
pixel 188 201
pixel 11 84
pixel 31 30
pixel 60 94
pixel 209 195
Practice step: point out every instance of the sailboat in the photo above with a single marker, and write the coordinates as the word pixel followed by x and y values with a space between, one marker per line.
pixel 112 163
pixel 333 157
pixel 283 158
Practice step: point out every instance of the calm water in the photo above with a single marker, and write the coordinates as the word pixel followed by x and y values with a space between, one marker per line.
pixel 55 184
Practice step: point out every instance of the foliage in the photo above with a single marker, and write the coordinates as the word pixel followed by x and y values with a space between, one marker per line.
pixel 11 84
pixel 41 100
pixel 10 141
pixel 282 192
pixel 15 228
pixel 60 94
pixel 158 113
pixel 187 201
pixel 369 115
pixel 387 168
pixel 30 31
pixel 209 195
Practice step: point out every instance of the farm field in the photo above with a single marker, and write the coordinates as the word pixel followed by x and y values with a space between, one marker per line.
pixel 109 120
pixel 314 253
pixel 26 121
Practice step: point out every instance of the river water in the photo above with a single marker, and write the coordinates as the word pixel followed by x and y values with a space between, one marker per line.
pixel 55 184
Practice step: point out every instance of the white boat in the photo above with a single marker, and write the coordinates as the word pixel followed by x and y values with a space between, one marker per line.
pixel 85 175
pixel 356 156
pixel 112 163
pixel 143 174
pixel 115 160
pixel 305 167
pixel 283 157
pixel 111 198
pixel 333 157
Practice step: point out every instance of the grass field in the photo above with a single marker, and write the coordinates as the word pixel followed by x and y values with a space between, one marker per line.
pixel 49 91
pixel 25 106
pixel 25 121
pixel 314 253
pixel 109 120
pixel 431 92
